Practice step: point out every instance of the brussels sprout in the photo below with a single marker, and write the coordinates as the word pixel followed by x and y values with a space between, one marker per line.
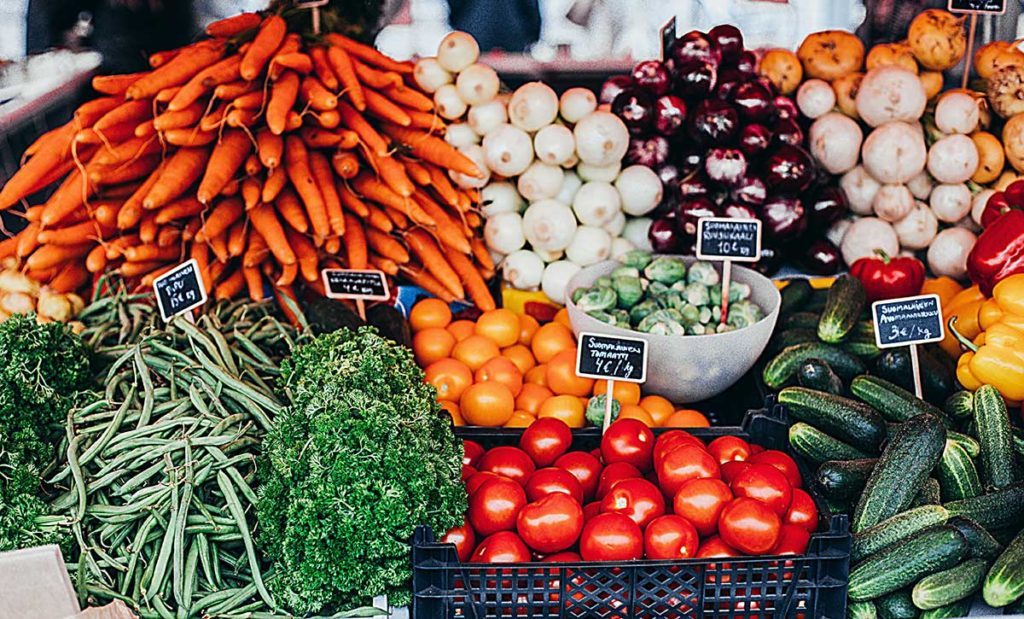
pixel 605 281
pixel 716 314
pixel 628 289
pixel 621 318
pixel 576 294
pixel 674 314
pixel 666 269
pixel 697 329
pixel 705 314
pixel 703 273
pixel 724 328
pixel 656 291
pixel 598 298
pixel 603 316
pixel 595 409
pixel 640 311
pixel 691 314
pixel 636 258
pixel 744 313
pixel 737 292
pixel 625 271
pixel 662 322
pixel 667 327
pixel 672 299
pixel 697 294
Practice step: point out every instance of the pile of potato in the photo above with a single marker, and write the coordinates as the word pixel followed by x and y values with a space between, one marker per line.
pixel 20 294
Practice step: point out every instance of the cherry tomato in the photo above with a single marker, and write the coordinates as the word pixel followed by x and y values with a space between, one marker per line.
pixel 591 509
pixel 729 448
pixel 502 547
pixel 750 526
pixel 781 461
pixel 495 505
pixel 584 467
pixel 802 511
pixel 670 537
pixel 611 537
pixel 714 547
pixel 628 440
pixel 510 462
pixel 637 498
pixel 550 480
pixel 477 479
pixel 615 473
pixel 464 539
pixel 701 501
pixel 566 556
pixel 471 452
pixel 733 468
pixel 684 463
pixel 793 540
pixel 550 524
pixel 669 441
pixel 764 483
pixel 468 471
pixel 545 440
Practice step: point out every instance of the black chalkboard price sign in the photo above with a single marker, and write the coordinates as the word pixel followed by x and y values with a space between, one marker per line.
pixel 906 321
pixel 724 238
pixel 611 358
pixel 179 290
pixel 368 285
pixel 983 7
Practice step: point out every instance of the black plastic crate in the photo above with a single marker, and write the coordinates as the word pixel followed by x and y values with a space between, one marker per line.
pixel 809 586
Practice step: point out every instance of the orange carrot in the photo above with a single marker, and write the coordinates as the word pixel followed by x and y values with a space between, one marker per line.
pixel 384 109
pixel 74 234
pixel 138 269
pixel 253 282
pixel 185 117
pixel 158 59
pixel 346 73
pixel 301 176
pixel 439 181
pixel 69 196
pixel 125 151
pixel 400 220
pixel 372 189
pixel 322 68
pixel 186 206
pixel 270 148
pixel 426 281
pixel 178 70
pixel 252 165
pixel 233 90
pixel 24 180
pixel 355 243
pixel 384 264
pixel 228 155
pixel 216 271
pixel 316 93
pixel 229 287
pixel 166 94
pixel 230 26
pixel 237 236
pixel 215 118
pixel 168 235
pixel 409 97
pixel 324 177
pixel 105 213
pixel 120 191
pixel 222 72
pixel 379 220
pixel 275 182
pixel 417 172
pixel 70 278
pixel 96 260
pixel 387 246
pixel 282 97
pixel 131 211
pixel 147 279
pixel 376 79
pixel 200 252
pixel 112 135
pixel 28 240
pixel 122 173
pixel 482 255
pixel 219 247
pixel 270 36
pixel 474 282
pixel 447 230
pixel 189 137
pixel 115 248
pixel 286 300
pixel 251 191
pixel 345 164
pixel 148 228
pixel 129 111
pixel 87 114
pixel 115 84
pixel 265 221
pixel 48 256
pixel 473 220
pixel 149 252
pixel 220 219
pixel 392 172
pixel 328 119
pixel 433 149
pixel 434 260
pixel 305 253
pixel 367 53
pixel 296 61
pixel 8 246
pixel 241 118
pixel 145 129
pixel 288 274
pixel 317 137
pixel 294 121
pixel 256 251
pixel 351 201
pixel 231 188
pixel 249 101
pixel 182 169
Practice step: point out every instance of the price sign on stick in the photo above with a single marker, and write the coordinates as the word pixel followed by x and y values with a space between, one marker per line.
pixel 604 357
pixel 361 285
pixel 730 240
pixel 180 290
pixel 908 322
pixel 974 8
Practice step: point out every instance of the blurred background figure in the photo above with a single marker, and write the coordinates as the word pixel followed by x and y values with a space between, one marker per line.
pixel 509 25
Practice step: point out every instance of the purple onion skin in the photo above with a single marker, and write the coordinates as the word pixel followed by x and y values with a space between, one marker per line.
pixel 689 211
pixel 754 140
pixel 739 211
pixel 729 40
pixel 613 86
pixel 669 115
pixel 789 170
pixel 753 101
pixel 664 235
pixel 750 191
pixel 784 219
pixel 695 80
pixel 827 207
pixel 771 260
pixel 694 46
pixel 652 76
pixel 725 165
pixel 746 62
pixel 651 151
pixel 728 81
pixel 785 108
pixel 688 160
pixel 788 132
pixel 714 122
pixel 694 186
pixel 768 85
pixel 635 107
pixel 822 257
pixel 668 173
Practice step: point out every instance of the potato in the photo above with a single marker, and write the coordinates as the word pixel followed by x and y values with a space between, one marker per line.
pixel 937 39
pixel 1013 142
pixel 932 82
pixel 783 68
pixel 1007 177
pixel 991 158
pixel 995 55
pixel 888 54
pixel 1006 91
pixel 831 54
pixel 846 88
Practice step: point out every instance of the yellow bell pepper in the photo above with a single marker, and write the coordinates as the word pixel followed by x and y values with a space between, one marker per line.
pixel 965 306
pixel 995 355
pixel 1009 294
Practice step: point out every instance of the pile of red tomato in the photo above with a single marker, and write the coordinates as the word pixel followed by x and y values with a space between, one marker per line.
pixel 637 496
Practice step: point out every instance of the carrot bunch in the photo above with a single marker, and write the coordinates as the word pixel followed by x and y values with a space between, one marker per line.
pixel 264 156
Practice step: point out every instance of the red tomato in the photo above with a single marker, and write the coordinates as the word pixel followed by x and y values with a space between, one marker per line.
pixel 550 524
pixel 615 473
pixel 562 557
pixel 684 463
pixel 714 547
pixel 467 472
pixel 502 547
pixel 670 537
pixel 750 526
pixel 701 501
pixel 596 452
pixel 802 511
pixel 471 452
pixel 637 498
pixel 477 479
pixel 733 468
pixel 551 480
pixel 669 441
pixel 584 467
pixel 729 448
pixel 793 540
pixel 464 539
pixel 781 461
pixel 628 440
pixel 510 462
pixel 591 509
pixel 755 449
pixel 495 505
pixel 766 484
pixel 611 537
pixel 545 440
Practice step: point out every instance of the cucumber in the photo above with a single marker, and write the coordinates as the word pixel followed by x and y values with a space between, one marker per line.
pixel 936 381
pixel 909 457
pixel 861 610
pixel 956 609
pixel 848 420
pixel 996 510
pixel 819 447
pixel 838 506
pixel 781 369
pixel 816 374
pixel 994 435
pixel 864 330
pixel 896 605
pixel 966 442
pixel 957 476
pixel 1004 583
pixel 948 586
pixel 981 542
pixel 801 320
pixel 791 337
pixel 894 402
pixel 844 479
pixel 896 529
pixel 901 564
pixel 866 350
pixel 1018 444
pixel 929 494
pixel 846 299
pixel 960 405
pixel 795 294
pixel 1016 608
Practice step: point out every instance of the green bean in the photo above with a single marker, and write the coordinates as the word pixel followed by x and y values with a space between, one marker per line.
pixel 232 472
pixel 161 608
pixel 139 479
pixel 167 545
pixel 108 433
pixel 178 563
pixel 190 577
pixel 76 473
pixel 113 562
pixel 217 597
pixel 234 601
pixel 138 543
pixel 235 507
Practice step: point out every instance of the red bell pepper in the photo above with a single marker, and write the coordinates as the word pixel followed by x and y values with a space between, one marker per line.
pixel 996 206
pixel 889 278
pixel 999 251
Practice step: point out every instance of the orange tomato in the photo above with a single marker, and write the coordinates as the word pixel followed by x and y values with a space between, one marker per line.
pixel 429 313
pixel 659 408
pixel 562 318
pixel 537 375
pixel 632 411
pixel 521 356
pixel 568 408
pixel 501 370
pixel 528 326
pixel 520 419
pixel 432 344
pixel 487 404
pixel 562 378
pixel 687 418
pixel 453 410
pixel 550 340
pixel 625 393
pixel 501 325
pixel 475 351
pixel 532 397
pixel 450 377
pixel 461 329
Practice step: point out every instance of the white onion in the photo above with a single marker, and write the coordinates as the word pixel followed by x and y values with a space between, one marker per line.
pixel 636 232
pixel 979 203
pixel 948 252
pixel 460 134
pixel 951 203
pixel 890 93
pixel 540 181
pixel 476 155
pixel 533 106
pixel 549 256
pixel 893 202
pixel 640 188
pixel 838 230
pixel 621 246
pixel 867 234
pixel 957 112
pixel 571 183
pixel 953 159
pixel 918 228
pixel 835 140
pixel 500 197
pixel 504 232
pixel 601 139
pixel 894 153
pixel 549 225
pixel 860 189
pixel 477 83
pixel 576 103
pixel 605 174
pixel 487 117
pixel 430 75
pixel 449 104
pixel 572 162
pixel 457 51
pixel 556 279
pixel 589 246
pixel 616 225
pixel 508 151
pixel 815 98
pixel 523 269
pixel 596 203
pixel 554 144
pixel 921 185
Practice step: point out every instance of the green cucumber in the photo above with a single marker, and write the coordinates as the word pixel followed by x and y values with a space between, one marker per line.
pixel 896 529
pixel 1016 608
pixel 864 349
pixel 909 456
pixel 948 586
pixel 864 330
pixel 818 447
pixel 957 475
pixel 1018 444
pixel 899 565
pixel 894 402
pixel 791 337
pixel 781 369
pixel 894 366
pixel 838 506
pixel 956 609
pixel 994 435
pixel 861 610
pixel 996 510
pixel 801 320
pixel 981 542
pixel 1005 581
pixel 844 479
pixel 848 420
pixel 816 374
pixel 929 494
pixel 846 299
pixel 960 405
pixel 795 294
pixel 966 442
pixel 896 605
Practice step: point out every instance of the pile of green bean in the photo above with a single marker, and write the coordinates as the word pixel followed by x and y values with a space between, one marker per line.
pixel 158 471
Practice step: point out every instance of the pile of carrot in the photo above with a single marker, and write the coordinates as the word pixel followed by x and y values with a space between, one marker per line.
pixel 263 155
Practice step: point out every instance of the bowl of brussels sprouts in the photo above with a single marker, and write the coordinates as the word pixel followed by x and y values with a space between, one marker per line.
pixel 675 303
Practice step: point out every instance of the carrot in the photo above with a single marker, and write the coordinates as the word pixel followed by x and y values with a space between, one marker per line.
pixel 317 137
pixel 200 252
pixel 426 281
pixel 113 135
pixel 345 164
pixel 8 246
pixel 69 196
pixel 74 234
pixel 148 228
pixel 386 110
pixel 23 182
pixel 216 271
pixel 275 182
pixel 409 97
pixel 434 260
pixel 251 191
pixel 376 79
pixel 178 70
pixel 373 189
pixel 168 235
pixel 392 172
pixel 473 220
pixel 115 248
pixel 384 264
pixel 249 101
pixel 89 112
pixel 387 246
pixel 417 172
pixel 115 84
pixel 129 111
pixel 296 61
pixel 252 165
pixel 96 260
pixel 189 137
pixel 439 181
pixel 182 169
pixel 237 237
pixel 288 274
pixel 367 53
pixel 355 243
pixel 28 240
pixel 433 149
pixel 120 191
pixel 256 251
pixel 166 94
pixel 346 73
pixel 227 157
pixel 229 287
pixel 378 219
pixel 158 59
pixel 149 252
pixel 48 256
pixel 447 230
pixel 474 282
pixel 314 91
pixel 232 188
pixel 105 213
pixel 322 68
pixel 220 219
pixel 219 247
pixel 125 151
pixel 324 177
pixel 179 119
pixel 328 119
pixel 351 201
pixel 131 211
pixel 236 24
pixel 233 90
pixel 123 173
pixel 306 255
pixel 301 175
pixel 145 129
pixel 482 255
pixel 253 282
pixel 186 206
pixel 270 36
pixel 214 118
pixel 222 72
pixel 282 97
pixel 270 148
pixel 139 269
pixel 69 279
pixel 240 118
pixel 147 280
pixel 294 121
pixel 265 221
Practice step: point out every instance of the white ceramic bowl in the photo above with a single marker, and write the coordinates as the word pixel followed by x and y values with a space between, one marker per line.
pixel 690 368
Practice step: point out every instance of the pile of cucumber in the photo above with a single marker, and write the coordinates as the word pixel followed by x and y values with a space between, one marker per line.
pixel 935 492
